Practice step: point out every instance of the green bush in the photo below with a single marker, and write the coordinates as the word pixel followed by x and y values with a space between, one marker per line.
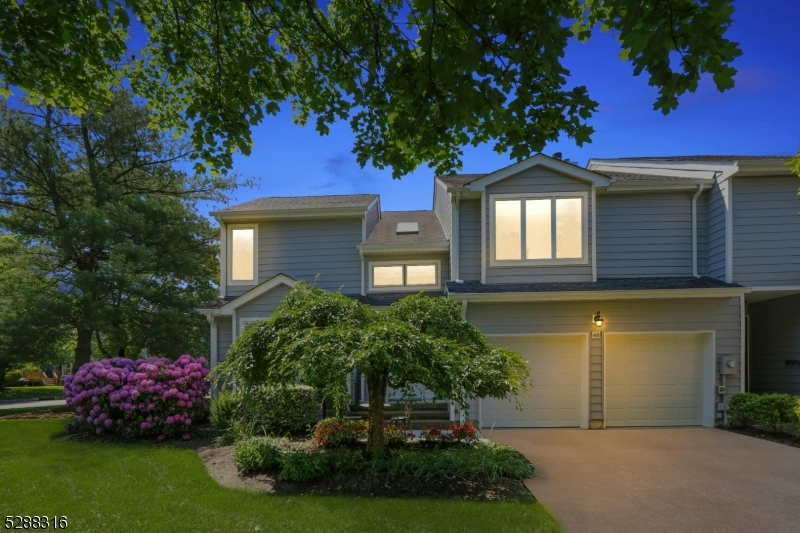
pixel 257 454
pixel 302 465
pixel 283 410
pixel 490 461
pixel 740 408
pixel 772 410
pixel 12 376
pixel 337 432
pixel 225 409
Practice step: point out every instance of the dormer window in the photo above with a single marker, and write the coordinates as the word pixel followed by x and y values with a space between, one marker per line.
pixel 242 254
pixel 404 275
pixel 539 229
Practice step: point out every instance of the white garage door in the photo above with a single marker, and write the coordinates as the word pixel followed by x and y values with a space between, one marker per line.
pixel 555 394
pixel 654 379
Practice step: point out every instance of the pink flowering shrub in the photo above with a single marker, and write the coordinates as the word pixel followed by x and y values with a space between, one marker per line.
pixel 146 397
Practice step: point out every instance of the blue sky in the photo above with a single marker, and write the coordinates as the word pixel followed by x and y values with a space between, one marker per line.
pixel 761 115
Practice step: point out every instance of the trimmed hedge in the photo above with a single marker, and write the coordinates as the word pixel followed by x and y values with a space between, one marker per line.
pixel 772 410
pixel 283 410
pixel 12 376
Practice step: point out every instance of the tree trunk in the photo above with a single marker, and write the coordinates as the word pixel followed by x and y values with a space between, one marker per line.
pixel 376 383
pixel 83 350
pixel 3 369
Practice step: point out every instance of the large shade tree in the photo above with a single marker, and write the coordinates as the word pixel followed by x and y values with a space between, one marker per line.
pixel 319 337
pixel 417 79
pixel 122 257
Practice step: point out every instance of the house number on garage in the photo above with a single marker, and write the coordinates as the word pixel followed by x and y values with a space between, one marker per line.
pixel 595 334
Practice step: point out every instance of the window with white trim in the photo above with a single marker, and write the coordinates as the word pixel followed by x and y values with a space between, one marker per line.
pixel 242 254
pixel 408 275
pixel 539 229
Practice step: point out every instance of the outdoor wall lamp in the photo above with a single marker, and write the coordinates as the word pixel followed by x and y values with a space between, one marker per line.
pixel 598 320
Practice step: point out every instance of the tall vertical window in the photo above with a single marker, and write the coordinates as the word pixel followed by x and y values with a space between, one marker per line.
pixel 539 229
pixel 242 250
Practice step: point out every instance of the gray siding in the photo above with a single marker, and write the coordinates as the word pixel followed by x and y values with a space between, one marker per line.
pixel 372 216
pixel 766 231
pixel 719 315
pixel 444 263
pixel 321 250
pixel 469 240
pixel 263 306
pixel 775 339
pixel 443 207
pixel 645 235
pixel 224 336
pixel 538 180
pixel 715 216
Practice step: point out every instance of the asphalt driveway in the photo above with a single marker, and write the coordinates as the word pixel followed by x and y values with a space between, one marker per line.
pixel 661 480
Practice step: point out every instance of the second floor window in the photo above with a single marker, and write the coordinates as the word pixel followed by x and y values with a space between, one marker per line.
pixel 539 229
pixel 242 253
pixel 404 275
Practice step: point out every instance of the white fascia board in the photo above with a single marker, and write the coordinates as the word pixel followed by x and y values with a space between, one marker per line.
pixel 579 296
pixel 209 313
pixel 764 168
pixel 255 292
pixel 650 186
pixel 403 248
pixel 542 160
pixel 354 212
pixel 659 167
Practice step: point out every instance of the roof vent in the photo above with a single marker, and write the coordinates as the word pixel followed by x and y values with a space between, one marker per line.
pixel 557 155
pixel 404 228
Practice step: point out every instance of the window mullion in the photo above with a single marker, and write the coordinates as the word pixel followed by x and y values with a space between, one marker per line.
pixel 523 230
pixel 553 231
pixel 405 277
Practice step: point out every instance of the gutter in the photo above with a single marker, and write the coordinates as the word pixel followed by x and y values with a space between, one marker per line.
pixel 694 230
pixel 575 296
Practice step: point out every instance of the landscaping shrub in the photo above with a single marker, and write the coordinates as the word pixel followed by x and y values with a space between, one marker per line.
pixel 452 434
pixel 147 397
pixel 283 410
pixel 224 409
pixel 772 410
pixel 12 376
pixel 740 408
pixel 490 461
pixel 337 432
pixel 302 465
pixel 393 436
pixel 257 454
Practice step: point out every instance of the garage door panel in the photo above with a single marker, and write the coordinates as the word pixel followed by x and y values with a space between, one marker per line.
pixel 654 379
pixel 555 395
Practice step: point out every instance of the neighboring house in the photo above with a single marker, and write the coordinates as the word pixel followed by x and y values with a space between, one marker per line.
pixel 633 287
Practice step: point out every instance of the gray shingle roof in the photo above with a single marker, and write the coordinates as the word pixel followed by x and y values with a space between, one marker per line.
pixel 271 203
pixel 219 301
pixel 385 231
pixel 617 284
pixel 386 299
pixel 700 158
pixel 628 177
pixel 459 180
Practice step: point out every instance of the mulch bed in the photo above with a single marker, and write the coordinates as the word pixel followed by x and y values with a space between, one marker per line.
pixel 780 438
pixel 219 463
pixel 37 415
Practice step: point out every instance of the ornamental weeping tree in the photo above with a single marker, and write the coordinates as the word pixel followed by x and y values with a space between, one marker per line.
pixel 318 337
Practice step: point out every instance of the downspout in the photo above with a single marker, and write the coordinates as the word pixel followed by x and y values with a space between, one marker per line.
pixel 694 230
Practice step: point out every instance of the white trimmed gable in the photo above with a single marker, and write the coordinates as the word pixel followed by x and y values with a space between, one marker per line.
pixel 545 162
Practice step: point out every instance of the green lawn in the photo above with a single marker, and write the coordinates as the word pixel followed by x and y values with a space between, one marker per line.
pixel 26 393
pixel 102 487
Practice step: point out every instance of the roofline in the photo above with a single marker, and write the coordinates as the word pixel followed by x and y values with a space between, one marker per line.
pixel 539 160
pixel 312 212
pixel 260 289
pixel 575 296
pixel 653 186
pixel 404 248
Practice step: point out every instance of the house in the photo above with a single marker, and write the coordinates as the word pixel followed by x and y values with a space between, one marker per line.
pixel 642 291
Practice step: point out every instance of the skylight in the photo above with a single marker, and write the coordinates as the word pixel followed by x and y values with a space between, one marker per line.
pixel 404 228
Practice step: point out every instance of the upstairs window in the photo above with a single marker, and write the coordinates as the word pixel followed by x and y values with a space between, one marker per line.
pixel 242 253
pixel 404 276
pixel 539 229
